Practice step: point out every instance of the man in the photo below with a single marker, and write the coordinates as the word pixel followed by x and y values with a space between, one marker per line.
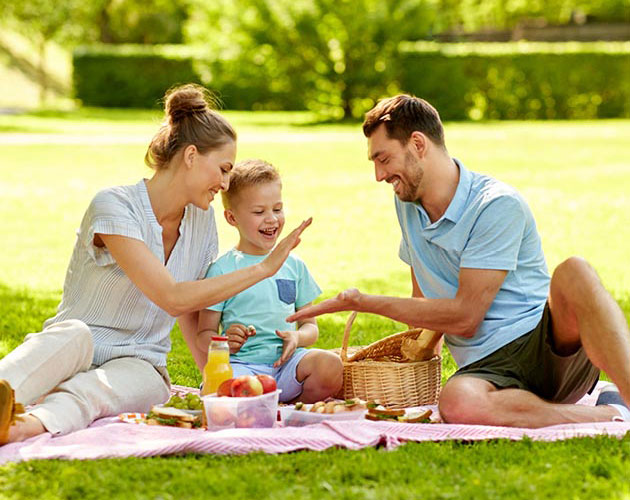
pixel 527 345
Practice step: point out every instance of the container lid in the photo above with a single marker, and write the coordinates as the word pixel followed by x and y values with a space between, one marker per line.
pixel 218 338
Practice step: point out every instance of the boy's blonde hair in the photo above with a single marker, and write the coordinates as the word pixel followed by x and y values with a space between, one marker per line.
pixel 248 173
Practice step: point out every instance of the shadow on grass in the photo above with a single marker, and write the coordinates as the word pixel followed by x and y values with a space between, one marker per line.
pixel 103 114
pixel 31 71
pixel 7 129
pixel 23 311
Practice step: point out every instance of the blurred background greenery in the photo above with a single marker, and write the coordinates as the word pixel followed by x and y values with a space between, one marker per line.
pixel 474 59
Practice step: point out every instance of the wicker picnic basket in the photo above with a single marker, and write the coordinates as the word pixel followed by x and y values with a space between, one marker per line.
pixel 378 372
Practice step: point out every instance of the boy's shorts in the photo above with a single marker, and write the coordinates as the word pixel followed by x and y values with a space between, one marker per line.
pixel 530 363
pixel 285 375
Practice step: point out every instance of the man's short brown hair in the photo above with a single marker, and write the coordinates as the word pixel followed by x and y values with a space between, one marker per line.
pixel 248 173
pixel 402 115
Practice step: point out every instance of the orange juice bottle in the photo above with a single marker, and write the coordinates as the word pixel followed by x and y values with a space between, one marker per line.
pixel 217 369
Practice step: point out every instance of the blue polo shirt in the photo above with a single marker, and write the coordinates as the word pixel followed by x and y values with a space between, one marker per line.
pixel 487 225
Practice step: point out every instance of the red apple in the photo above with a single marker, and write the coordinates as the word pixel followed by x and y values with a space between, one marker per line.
pixel 255 417
pixel 225 389
pixel 245 420
pixel 220 415
pixel 245 386
pixel 268 383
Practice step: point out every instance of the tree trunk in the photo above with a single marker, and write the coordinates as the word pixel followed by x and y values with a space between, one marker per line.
pixel 103 25
pixel 43 80
pixel 346 97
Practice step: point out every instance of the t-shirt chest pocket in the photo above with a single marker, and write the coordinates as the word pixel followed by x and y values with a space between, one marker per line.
pixel 286 290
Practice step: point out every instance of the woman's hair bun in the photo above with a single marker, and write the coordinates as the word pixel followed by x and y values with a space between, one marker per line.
pixel 190 118
pixel 186 100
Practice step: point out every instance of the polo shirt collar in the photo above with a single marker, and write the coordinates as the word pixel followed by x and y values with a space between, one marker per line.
pixel 458 203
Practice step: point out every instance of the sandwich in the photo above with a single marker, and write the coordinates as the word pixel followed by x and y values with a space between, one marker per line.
pixel 380 413
pixel 173 417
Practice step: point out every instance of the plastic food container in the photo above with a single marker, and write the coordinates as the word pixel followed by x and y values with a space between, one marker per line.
pixel 299 418
pixel 224 412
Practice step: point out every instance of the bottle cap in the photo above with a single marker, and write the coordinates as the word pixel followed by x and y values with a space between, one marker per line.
pixel 218 338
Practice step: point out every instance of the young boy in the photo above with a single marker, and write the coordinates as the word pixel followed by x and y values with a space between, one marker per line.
pixel 260 340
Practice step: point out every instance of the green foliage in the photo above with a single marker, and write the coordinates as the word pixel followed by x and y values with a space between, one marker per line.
pixel 464 81
pixel 334 57
pixel 44 19
pixel 521 80
pixel 471 15
pixel 139 21
pixel 129 76
pixel 108 21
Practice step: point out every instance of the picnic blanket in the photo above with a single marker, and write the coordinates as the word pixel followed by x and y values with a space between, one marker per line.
pixel 111 438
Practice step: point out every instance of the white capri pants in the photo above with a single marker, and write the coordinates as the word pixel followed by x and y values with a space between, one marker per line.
pixel 56 364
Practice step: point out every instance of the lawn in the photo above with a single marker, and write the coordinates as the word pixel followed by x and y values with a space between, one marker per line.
pixel 574 175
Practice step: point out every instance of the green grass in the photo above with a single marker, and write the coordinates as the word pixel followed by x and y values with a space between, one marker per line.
pixel 581 468
pixel 574 175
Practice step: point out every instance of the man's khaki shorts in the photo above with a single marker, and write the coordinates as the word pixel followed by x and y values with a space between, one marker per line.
pixel 530 363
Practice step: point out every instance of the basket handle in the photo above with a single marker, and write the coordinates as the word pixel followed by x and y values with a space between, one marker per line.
pixel 346 335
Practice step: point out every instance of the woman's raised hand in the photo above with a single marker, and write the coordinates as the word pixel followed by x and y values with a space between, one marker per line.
pixel 279 254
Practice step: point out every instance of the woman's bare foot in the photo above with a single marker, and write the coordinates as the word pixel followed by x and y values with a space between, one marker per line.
pixel 14 425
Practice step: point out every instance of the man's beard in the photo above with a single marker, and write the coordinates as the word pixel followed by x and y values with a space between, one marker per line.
pixel 413 177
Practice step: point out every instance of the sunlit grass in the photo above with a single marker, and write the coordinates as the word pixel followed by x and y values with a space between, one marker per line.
pixel 574 175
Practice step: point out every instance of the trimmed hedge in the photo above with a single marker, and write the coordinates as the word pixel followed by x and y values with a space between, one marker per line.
pixel 519 80
pixel 137 76
pixel 516 80
pixel 129 76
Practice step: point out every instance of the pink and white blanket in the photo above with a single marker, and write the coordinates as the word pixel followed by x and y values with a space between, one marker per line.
pixel 111 438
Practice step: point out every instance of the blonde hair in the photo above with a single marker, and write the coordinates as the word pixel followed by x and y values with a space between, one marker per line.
pixel 248 173
pixel 190 118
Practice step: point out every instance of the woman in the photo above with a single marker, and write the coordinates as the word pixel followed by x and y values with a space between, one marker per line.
pixel 137 265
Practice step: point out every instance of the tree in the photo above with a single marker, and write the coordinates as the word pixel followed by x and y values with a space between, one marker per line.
pixel 42 21
pixel 335 56
pixel 111 21
pixel 140 21
pixel 470 15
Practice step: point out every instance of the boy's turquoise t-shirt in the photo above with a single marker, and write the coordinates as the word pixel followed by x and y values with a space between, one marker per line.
pixel 264 305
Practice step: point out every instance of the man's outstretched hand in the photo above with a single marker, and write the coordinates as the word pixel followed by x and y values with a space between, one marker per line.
pixel 348 300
